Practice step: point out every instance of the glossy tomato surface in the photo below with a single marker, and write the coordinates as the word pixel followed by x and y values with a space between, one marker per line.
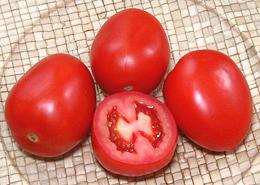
pixel 209 99
pixel 133 134
pixel 50 109
pixel 130 52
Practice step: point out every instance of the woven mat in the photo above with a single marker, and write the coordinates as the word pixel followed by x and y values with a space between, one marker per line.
pixel 30 30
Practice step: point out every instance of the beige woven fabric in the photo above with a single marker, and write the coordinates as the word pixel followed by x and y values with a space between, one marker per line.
pixel 30 30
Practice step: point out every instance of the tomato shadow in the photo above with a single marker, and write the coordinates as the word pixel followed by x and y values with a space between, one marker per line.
pixel 158 173
pixel 162 171
pixel 206 151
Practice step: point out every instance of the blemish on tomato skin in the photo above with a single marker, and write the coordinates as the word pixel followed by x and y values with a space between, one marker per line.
pixel 32 137
pixel 128 88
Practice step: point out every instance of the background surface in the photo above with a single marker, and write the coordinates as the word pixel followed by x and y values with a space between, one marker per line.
pixel 17 18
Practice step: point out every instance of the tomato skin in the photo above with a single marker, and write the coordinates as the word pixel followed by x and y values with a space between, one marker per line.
pixel 209 99
pixel 55 100
pixel 130 51
pixel 132 164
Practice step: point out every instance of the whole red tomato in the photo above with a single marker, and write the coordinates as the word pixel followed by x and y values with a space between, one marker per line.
pixel 133 134
pixel 130 52
pixel 209 99
pixel 50 109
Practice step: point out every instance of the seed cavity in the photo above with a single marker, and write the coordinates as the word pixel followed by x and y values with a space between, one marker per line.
pixel 123 133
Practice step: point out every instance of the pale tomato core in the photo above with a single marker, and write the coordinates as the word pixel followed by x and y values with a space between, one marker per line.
pixel 123 133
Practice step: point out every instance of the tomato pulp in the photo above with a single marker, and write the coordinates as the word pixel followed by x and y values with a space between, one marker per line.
pixel 50 109
pixel 133 134
pixel 210 100
pixel 130 52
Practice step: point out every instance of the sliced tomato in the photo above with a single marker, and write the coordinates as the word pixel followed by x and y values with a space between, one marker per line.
pixel 133 134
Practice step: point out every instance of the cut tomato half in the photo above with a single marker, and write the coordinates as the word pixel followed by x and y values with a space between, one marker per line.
pixel 133 134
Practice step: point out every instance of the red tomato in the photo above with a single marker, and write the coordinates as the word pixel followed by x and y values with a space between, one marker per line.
pixel 133 134
pixel 130 52
pixel 210 100
pixel 50 109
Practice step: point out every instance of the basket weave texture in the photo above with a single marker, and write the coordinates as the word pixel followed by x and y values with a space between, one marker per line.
pixel 31 30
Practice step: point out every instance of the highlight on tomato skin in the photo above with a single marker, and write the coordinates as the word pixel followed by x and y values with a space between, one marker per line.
pixel 133 134
pixel 210 100
pixel 130 52
pixel 50 109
